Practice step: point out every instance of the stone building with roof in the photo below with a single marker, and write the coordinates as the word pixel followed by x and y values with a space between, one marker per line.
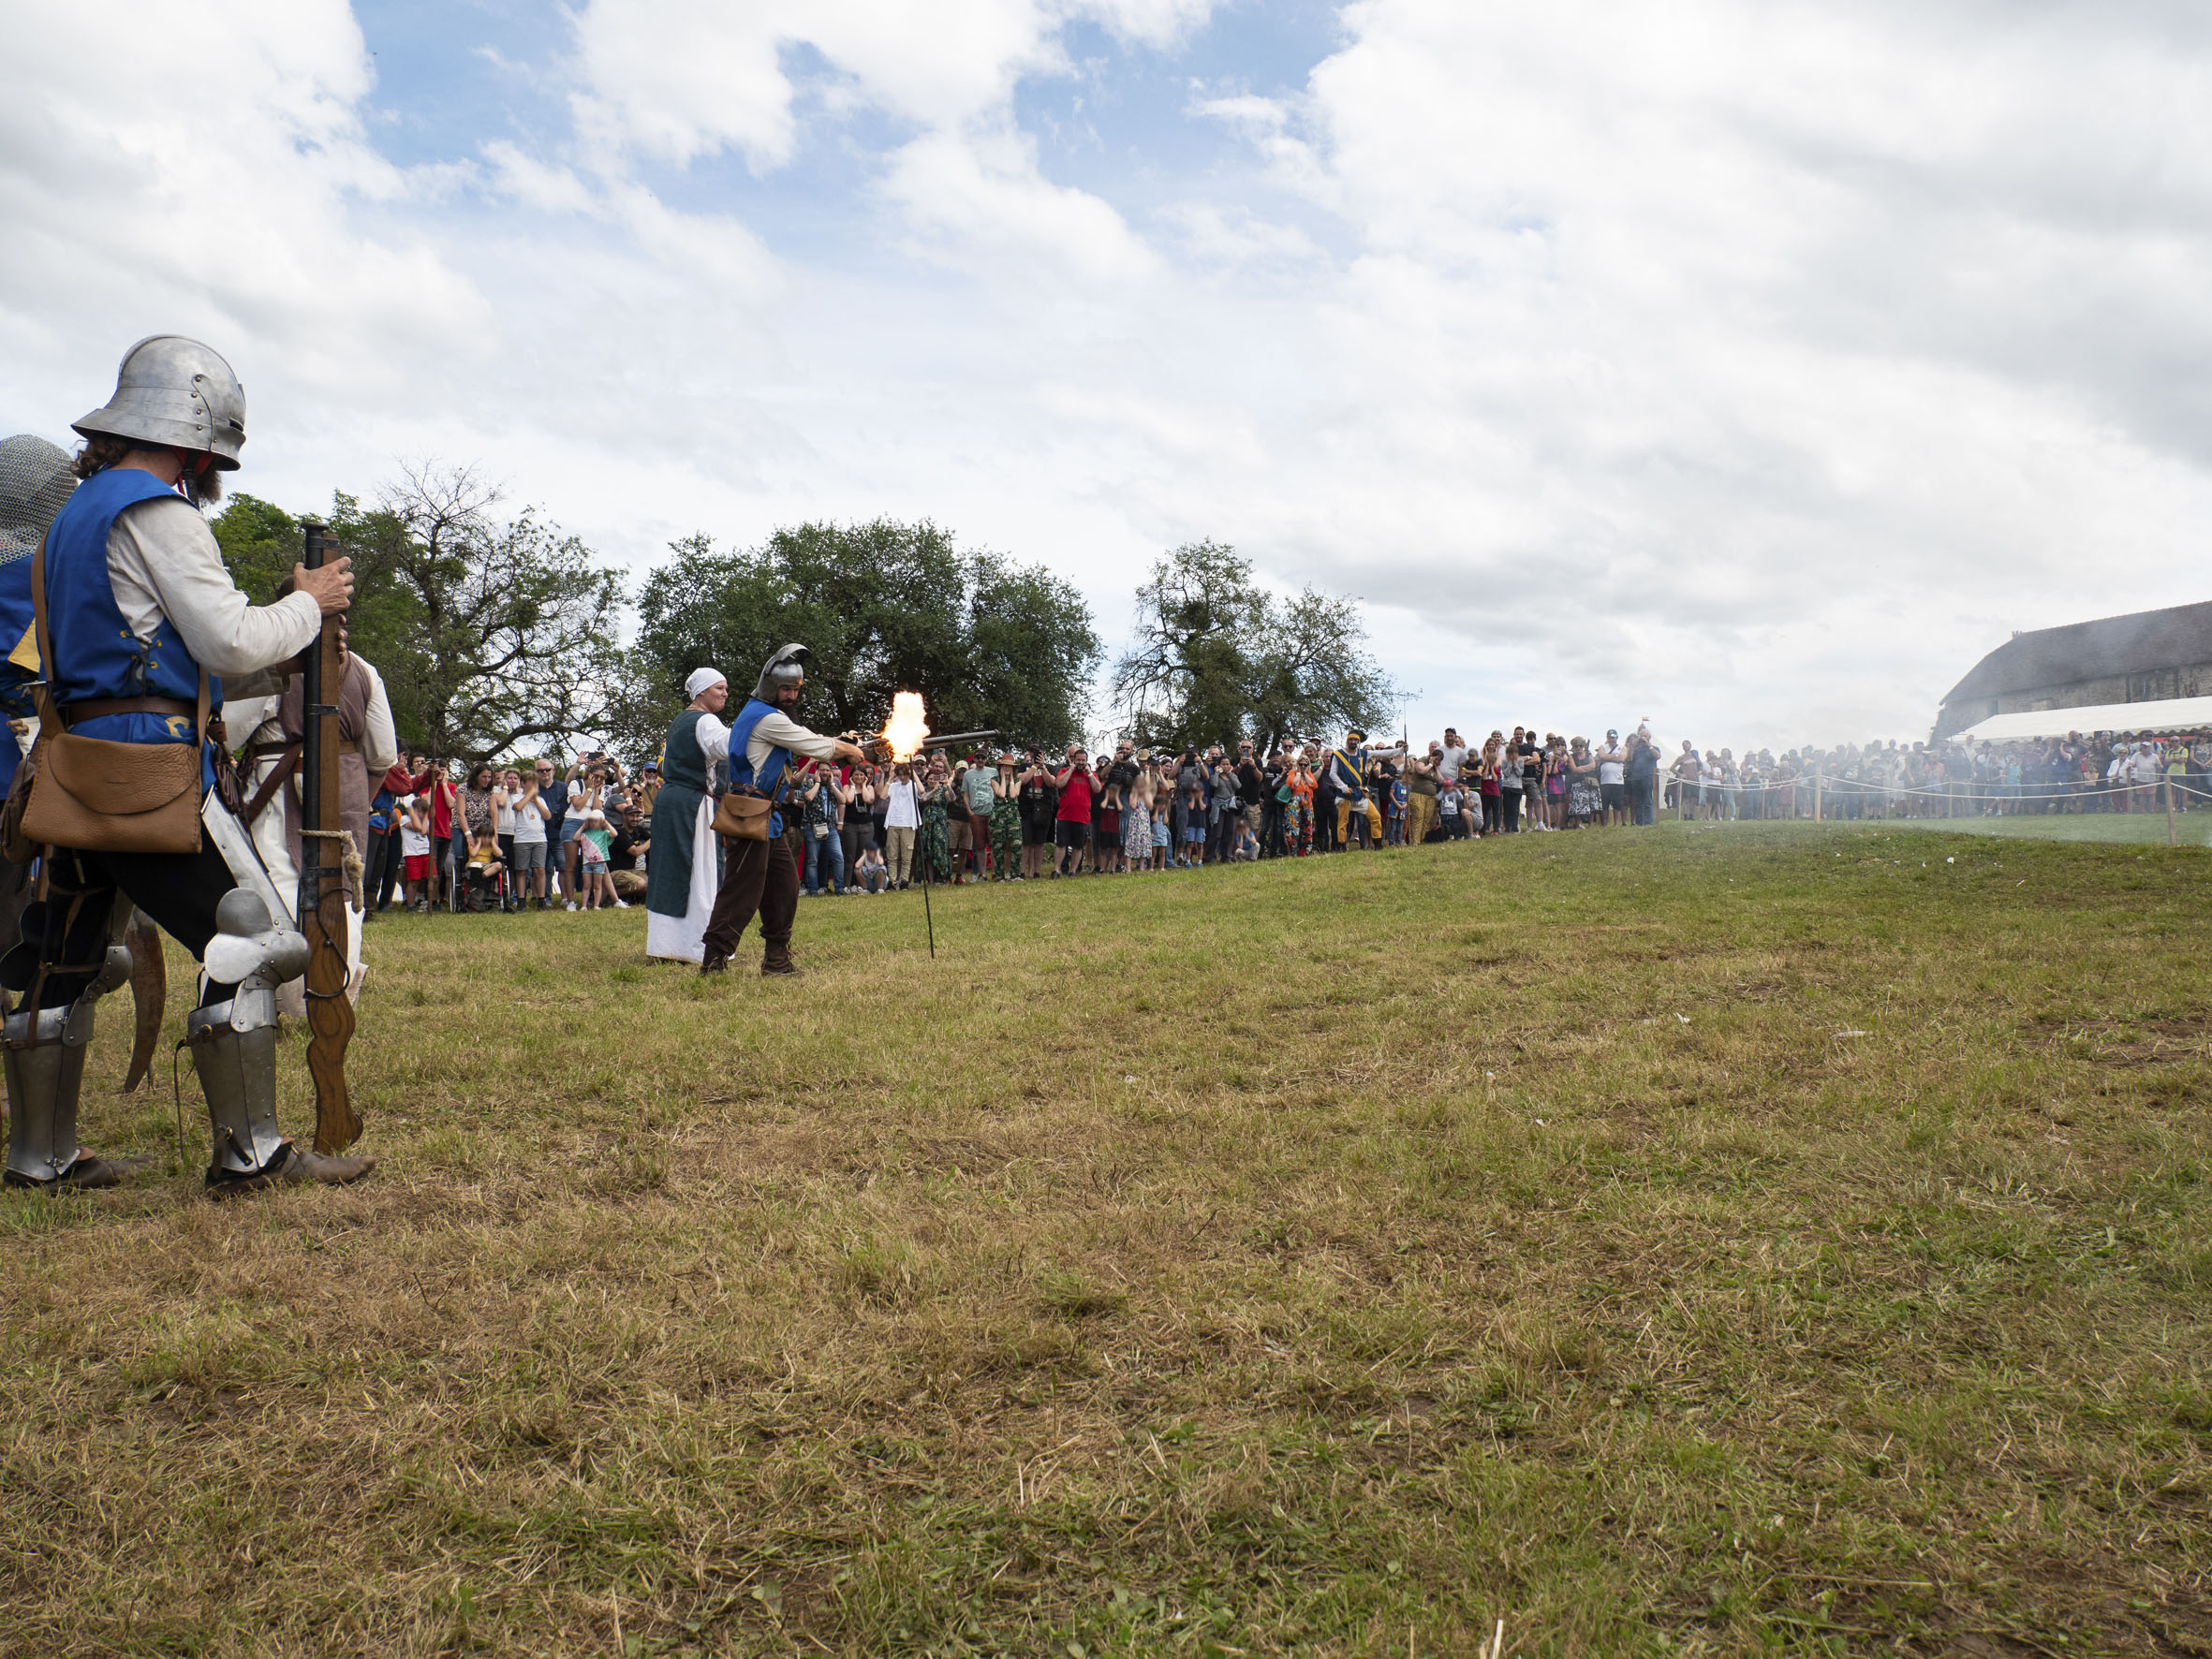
pixel 2149 656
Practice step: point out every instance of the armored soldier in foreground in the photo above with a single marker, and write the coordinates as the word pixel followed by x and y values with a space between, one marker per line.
pixel 139 620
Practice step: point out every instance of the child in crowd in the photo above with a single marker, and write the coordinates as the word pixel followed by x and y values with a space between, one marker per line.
pixel 870 875
pixel 485 867
pixel 414 846
pixel 1194 829
pixel 593 836
pixel 1448 801
pixel 1160 835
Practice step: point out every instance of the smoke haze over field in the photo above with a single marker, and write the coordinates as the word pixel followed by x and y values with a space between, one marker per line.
pixel 1753 367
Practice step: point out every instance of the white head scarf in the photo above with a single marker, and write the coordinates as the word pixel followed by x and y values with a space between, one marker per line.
pixel 701 679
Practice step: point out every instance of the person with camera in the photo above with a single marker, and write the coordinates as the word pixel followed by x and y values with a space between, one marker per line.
pixel 1072 824
pixel 823 855
pixel 1005 817
pixel 1038 799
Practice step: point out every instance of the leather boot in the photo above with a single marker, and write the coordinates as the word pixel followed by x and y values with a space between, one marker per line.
pixel 776 961
pixel 297 1166
pixel 715 964
pixel 86 1173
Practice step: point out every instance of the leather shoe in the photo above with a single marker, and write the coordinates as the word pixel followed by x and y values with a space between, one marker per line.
pixel 85 1174
pixel 713 964
pixel 296 1167
pixel 775 961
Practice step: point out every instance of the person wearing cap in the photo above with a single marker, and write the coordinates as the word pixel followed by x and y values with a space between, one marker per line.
pixel 140 622
pixel 1613 795
pixel 1343 770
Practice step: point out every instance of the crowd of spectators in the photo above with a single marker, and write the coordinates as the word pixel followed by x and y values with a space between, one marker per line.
pixel 575 833
pixel 546 833
pixel 2080 773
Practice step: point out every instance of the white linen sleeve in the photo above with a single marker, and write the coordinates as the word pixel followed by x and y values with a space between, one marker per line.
pixel 780 732
pixel 714 739
pixel 163 561
pixel 381 742
pixel 244 716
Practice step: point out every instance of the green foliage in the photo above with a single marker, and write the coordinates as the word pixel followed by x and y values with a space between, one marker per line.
pixel 1217 657
pixel 885 607
pixel 487 632
pixel 513 623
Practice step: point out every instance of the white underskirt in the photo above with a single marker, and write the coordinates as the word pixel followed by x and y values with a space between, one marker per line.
pixel 682 938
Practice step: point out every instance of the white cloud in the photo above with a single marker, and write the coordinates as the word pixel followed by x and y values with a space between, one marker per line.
pixel 1753 366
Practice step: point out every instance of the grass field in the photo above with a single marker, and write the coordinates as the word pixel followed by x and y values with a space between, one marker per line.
pixel 1769 1239
pixel 2137 829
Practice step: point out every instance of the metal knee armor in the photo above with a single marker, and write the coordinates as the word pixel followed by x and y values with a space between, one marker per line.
pixel 233 1043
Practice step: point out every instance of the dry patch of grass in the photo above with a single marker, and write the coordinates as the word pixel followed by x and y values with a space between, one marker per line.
pixel 1766 1238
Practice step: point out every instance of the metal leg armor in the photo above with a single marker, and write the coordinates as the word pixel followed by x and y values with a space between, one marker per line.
pixel 233 1043
pixel 42 1053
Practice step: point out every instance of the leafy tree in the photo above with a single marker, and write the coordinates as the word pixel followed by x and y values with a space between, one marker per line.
pixel 478 625
pixel 1217 657
pixel 884 607
pixel 511 624
pixel 262 543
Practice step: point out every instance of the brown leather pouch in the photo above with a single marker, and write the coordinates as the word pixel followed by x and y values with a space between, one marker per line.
pixel 742 815
pixel 101 797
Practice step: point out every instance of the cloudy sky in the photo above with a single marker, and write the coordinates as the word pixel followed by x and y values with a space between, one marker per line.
pixel 1751 366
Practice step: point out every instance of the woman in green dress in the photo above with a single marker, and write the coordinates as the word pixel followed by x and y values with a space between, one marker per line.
pixel 933 845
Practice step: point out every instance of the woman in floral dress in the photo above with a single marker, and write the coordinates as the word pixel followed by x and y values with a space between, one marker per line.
pixel 1584 801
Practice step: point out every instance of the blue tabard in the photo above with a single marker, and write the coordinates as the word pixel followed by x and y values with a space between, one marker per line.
pixel 741 766
pixel 95 652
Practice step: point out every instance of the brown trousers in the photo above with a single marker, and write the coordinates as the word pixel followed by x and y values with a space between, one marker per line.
pixel 758 877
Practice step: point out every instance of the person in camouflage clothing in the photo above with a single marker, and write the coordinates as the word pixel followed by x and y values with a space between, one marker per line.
pixel 1006 822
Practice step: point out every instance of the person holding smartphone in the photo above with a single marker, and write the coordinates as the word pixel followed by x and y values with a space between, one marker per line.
pixel 1072 834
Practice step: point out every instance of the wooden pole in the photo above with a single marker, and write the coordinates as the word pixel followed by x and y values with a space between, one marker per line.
pixel 2170 840
pixel 324 916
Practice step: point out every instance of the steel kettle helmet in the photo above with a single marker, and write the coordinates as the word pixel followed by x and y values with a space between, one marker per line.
pixel 174 392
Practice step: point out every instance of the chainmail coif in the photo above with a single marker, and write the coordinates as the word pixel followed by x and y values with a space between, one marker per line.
pixel 35 482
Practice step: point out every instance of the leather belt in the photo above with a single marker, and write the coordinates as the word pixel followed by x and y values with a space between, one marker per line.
pixel 93 708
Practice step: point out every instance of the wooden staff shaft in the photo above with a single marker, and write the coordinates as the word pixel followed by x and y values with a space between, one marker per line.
pixel 324 916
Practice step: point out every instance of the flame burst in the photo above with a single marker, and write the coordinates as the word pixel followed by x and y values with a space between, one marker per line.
pixel 907 727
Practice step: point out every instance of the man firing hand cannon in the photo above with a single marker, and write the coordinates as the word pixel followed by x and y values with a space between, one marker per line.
pixel 757 874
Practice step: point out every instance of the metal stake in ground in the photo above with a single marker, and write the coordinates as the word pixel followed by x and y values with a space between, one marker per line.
pixel 927 920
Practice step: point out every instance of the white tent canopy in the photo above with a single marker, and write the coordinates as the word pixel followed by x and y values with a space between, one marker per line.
pixel 2181 714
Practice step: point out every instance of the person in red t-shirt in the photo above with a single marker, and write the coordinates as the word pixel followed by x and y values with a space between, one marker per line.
pixel 1073 830
pixel 434 786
